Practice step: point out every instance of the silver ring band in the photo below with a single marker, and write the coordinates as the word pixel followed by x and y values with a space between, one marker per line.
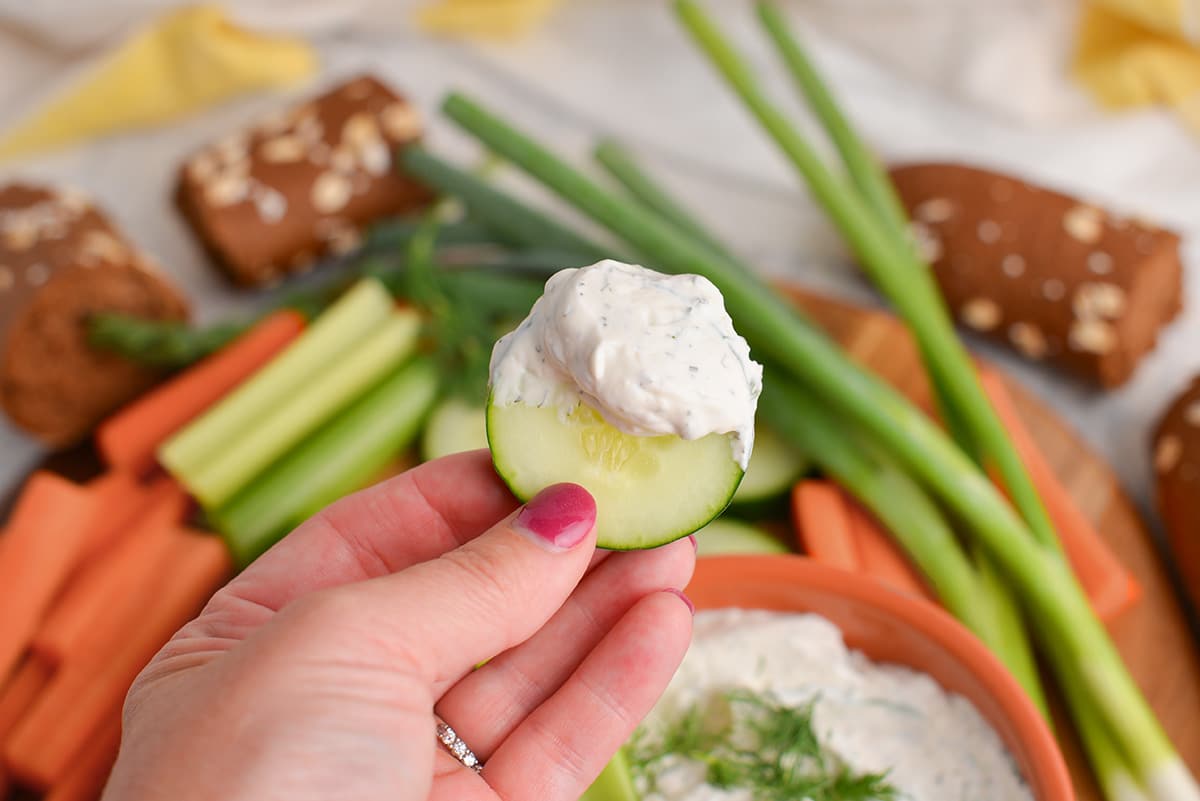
pixel 457 748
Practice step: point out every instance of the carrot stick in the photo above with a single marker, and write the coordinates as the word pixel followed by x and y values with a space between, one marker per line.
pixel 48 531
pixel 878 555
pixel 100 598
pixel 89 771
pixel 823 523
pixel 21 691
pixel 129 439
pixel 1109 586
pixel 120 499
pixel 86 692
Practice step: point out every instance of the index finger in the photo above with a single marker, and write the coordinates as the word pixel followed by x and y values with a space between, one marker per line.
pixel 411 518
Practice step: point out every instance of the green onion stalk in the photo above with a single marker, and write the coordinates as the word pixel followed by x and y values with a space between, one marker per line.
pixel 876 191
pixel 892 262
pixel 610 155
pixel 911 516
pixel 975 596
pixel 1036 571
pixel 892 265
pixel 516 223
pixel 873 186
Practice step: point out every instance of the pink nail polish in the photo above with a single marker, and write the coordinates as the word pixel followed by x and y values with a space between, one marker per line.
pixel 559 517
pixel 679 594
pixel 692 540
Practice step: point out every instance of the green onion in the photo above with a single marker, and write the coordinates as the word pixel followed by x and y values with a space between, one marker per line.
pixel 620 165
pixel 396 234
pixel 977 597
pixel 334 333
pixel 877 191
pixel 892 264
pixel 865 170
pixel 337 383
pixel 1108 763
pixel 1115 718
pixel 908 513
pixel 517 223
pixel 1037 572
pixel 769 324
pixel 339 458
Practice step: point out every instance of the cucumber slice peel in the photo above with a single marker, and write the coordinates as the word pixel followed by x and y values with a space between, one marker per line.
pixel 648 490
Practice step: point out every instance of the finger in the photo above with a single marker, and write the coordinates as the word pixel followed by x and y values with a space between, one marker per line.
pixel 453 782
pixel 436 620
pixel 560 749
pixel 411 518
pixel 488 704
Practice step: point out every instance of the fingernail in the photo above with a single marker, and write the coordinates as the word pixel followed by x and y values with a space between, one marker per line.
pixel 679 594
pixel 559 517
pixel 692 540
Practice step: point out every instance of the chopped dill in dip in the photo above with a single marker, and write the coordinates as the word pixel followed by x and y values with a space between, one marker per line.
pixel 872 722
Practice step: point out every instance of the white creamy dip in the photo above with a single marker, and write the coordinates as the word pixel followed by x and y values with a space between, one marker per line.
pixel 934 745
pixel 654 354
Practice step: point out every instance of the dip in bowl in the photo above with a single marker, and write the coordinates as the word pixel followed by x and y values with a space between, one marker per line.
pixel 891 628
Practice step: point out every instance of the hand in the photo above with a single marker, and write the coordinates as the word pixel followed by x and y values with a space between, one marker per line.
pixel 317 672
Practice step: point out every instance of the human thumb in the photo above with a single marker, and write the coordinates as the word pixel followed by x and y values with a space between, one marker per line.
pixel 493 592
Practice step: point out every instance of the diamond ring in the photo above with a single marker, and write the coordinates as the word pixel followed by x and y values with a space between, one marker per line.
pixel 457 748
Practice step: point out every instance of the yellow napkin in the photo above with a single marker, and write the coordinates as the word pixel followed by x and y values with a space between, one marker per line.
pixel 1142 52
pixel 499 18
pixel 187 60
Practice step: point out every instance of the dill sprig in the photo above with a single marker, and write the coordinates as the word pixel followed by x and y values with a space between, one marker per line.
pixel 754 742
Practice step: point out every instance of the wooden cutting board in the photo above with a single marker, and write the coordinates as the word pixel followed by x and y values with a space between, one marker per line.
pixel 1153 637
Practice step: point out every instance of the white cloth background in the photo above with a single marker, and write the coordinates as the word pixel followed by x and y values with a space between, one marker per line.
pixel 954 79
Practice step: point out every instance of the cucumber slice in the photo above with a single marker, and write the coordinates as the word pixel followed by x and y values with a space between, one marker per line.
pixel 648 490
pixel 774 467
pixel 725 536
pixel 455 426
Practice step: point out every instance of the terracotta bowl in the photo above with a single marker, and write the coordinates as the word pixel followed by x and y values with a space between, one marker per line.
pixel 889 627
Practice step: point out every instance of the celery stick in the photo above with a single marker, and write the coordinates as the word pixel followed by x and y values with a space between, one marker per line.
pixel 337 383
pixel 354 315
pixel 337 459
